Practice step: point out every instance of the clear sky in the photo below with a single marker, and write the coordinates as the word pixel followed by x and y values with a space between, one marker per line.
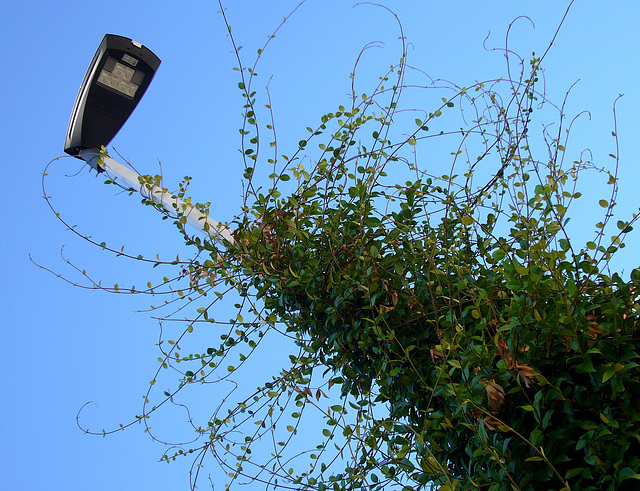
pixel 64 346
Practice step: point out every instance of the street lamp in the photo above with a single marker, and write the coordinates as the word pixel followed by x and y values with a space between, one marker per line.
pixel 116 80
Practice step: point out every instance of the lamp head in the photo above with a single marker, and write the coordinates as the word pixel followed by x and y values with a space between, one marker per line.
pixel 116 80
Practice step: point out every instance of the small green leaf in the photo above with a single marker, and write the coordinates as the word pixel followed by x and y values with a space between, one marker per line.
pixel 608 374
pixel 573 472
pixel 627 473
pixel 498 255
pixel 514 285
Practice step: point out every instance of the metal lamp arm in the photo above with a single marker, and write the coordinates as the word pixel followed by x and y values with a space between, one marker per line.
pixel 131 180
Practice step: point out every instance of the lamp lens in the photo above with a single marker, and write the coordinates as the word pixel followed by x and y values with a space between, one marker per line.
pixel 120 78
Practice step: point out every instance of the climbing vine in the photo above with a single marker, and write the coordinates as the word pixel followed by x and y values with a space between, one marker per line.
pixel 445 328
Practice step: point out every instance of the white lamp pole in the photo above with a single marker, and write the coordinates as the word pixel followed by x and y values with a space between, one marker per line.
pixel 131 180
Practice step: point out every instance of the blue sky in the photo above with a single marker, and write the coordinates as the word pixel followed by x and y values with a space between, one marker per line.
pixel 64 346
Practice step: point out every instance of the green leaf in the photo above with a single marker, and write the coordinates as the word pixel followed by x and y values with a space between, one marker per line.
pixel 514 285
pixel 498 255
pixel 627 473
pixel 573 472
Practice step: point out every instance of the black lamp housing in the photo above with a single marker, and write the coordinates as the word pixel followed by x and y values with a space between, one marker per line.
pixel 116 80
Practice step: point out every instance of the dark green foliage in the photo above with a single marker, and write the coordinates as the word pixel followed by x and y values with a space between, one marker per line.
pixel 504 356
pixel 511 360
